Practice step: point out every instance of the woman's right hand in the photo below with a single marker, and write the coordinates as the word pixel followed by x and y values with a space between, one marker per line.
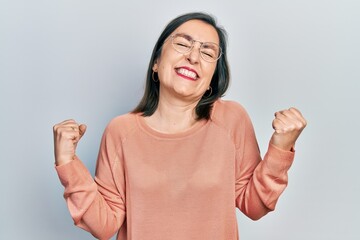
pixel 66 136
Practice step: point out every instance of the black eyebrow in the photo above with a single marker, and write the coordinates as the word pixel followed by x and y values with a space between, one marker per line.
pixel 210 46
pixel 188 37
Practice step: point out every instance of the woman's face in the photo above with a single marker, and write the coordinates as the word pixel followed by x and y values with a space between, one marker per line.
pixel 186 76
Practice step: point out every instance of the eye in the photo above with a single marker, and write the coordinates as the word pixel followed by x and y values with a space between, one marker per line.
pixel 210 50
pixel 181 44
pixel 209 53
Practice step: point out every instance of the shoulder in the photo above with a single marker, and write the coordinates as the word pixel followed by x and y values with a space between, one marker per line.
pixel 121 126
pixel 232 118
pixel 228 111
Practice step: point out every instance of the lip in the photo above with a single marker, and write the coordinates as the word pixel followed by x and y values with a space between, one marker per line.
pixel 189 69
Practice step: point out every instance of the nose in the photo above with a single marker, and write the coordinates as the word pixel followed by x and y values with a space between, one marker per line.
pixel 194 55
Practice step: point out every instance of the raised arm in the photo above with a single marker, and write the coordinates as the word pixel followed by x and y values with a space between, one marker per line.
pixel 260 183
pixel 98 206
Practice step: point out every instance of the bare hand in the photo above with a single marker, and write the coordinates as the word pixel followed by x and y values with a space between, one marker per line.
pixel 288 124
pixel 66 136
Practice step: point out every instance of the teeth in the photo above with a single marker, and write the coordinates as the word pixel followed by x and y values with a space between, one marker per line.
pixel 187 73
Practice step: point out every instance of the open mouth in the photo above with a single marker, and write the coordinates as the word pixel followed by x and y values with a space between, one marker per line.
pixel 187 73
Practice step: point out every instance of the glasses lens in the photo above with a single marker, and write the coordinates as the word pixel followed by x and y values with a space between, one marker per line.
pixel 210 52
pixel 181 44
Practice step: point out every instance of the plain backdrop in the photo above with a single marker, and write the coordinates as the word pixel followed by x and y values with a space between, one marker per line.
pixel 87 60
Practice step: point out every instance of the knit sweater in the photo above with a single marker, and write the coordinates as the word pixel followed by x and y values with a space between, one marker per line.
pixel 159 186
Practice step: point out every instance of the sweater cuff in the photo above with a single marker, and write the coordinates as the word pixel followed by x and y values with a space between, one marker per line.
pixel 74 173
pixel 277 160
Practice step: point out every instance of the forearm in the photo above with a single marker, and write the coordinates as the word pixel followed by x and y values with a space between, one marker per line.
pixel 264 187
pixel 88 207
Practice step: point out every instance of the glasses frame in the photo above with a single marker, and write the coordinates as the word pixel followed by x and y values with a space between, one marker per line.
pixel 193 41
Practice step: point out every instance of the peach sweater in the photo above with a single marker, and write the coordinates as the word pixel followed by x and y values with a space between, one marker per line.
pixel 156 186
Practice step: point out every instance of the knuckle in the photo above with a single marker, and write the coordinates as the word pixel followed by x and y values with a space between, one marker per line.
pixel 58 130
pixel 294 109
pixel 301 124
pixel 61 134
pixel 305 123
pixel 275 121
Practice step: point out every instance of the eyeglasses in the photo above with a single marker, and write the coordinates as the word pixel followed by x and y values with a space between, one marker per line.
pixel 183 43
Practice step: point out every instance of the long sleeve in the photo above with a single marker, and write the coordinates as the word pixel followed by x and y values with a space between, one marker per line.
pixel 154 185
pixel 96 205
pixel 259 183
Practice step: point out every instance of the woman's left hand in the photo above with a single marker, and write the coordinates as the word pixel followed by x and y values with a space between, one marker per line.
pixel 288 124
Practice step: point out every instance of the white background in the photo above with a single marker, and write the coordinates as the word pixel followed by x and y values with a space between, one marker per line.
pixel 87 60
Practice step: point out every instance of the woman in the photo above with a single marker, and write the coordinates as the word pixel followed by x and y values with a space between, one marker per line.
pixel 178 165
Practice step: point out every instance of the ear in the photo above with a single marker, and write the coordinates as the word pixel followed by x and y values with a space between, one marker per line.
pixel 155 66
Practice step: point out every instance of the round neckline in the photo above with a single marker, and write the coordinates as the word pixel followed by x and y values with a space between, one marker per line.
pixel 153 132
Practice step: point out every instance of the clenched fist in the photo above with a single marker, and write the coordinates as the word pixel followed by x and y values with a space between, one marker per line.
pixel 288 124
pixel 66 136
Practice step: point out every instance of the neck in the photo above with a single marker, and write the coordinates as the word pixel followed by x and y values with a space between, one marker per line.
pixel 173 116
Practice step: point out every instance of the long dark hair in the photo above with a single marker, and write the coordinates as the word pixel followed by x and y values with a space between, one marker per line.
pixel 219 82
